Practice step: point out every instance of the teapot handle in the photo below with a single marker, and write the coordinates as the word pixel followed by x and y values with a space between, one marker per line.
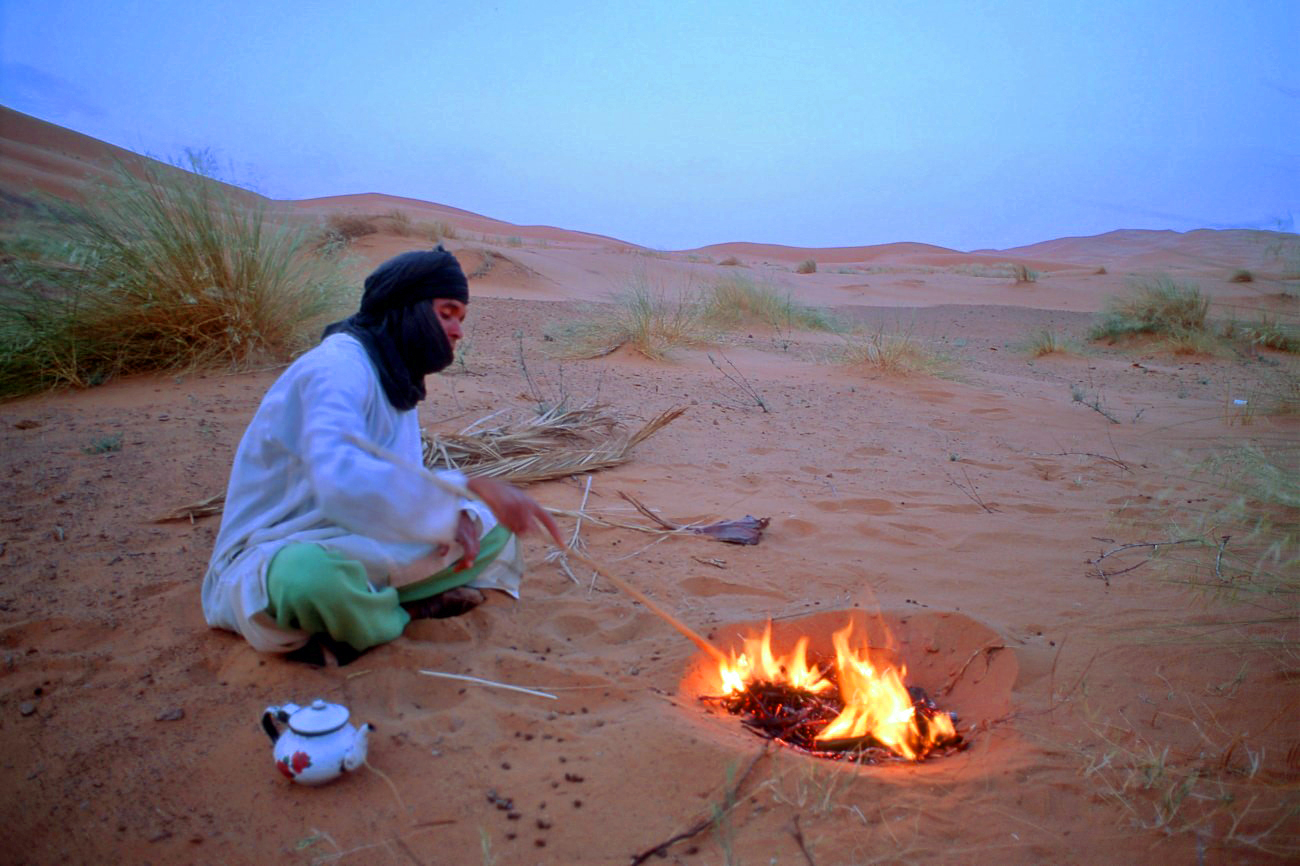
pixel 270 717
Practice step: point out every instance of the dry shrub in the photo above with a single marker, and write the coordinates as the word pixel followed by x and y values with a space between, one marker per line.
pixel 435 230
pixel 738 299
pixel 159 270
pixel 1023 274
pixel 350 226
pixel 1272 334
pixel 398 222
pixel 730 262
pixel 893 353
pixel 643 317
pixel 1156 306
pixel 807 266
pixel 1045 342
pixel 1242 276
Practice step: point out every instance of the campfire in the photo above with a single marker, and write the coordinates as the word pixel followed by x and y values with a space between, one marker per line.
pixel 845 708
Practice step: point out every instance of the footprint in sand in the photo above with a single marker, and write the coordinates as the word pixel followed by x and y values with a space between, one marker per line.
pixel 707 587
pixel 856 506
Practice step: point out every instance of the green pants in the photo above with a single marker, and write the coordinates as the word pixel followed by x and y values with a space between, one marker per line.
pixel 313 589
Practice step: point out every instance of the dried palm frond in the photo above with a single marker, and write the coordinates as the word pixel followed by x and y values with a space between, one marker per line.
pixel 558 443
pixel 203 508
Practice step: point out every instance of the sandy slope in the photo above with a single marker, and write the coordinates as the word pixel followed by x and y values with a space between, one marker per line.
pixel 961 511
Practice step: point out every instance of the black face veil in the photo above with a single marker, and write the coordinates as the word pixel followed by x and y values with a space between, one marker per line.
pixel 397 325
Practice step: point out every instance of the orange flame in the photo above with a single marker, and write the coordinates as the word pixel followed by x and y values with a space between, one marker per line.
pixel 876 702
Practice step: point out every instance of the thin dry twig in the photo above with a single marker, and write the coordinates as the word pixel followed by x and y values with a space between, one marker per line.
pixel 740 382
pixel 1154 547
pixel 491 683
pixel 1112 460
pixel 952 683
pixel 797 833
pixel 970 491
pixel 728 802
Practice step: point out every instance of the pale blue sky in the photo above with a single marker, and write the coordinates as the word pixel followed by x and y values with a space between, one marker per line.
pixel 675 125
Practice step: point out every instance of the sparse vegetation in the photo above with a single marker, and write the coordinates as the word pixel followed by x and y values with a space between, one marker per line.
pixel 738 299
pixel 1241 276
pixel 435 230
pixel 730 262
pixel 398 222
pixel 1156 306
pixel 105 444
pixel 1023 274
pixel 807 266
pixel 159 270
pixel 1045 342
pixel 893 353
pixel 1272 334
pixel 643 317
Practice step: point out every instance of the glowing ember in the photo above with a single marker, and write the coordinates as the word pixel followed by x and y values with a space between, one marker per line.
pixel 850 708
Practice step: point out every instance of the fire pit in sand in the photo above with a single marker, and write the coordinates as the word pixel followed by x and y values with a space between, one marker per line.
pixel 851 700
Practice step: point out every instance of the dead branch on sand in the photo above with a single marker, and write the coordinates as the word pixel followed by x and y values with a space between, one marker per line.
pixel 1153 546
pixel 716 812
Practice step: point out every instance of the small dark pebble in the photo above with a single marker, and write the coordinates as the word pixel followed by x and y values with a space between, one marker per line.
pixel 528 736
pixel 563 760
pixel 512 835
pixel 38 691
pixel 505 765
pixel 513 816
pixel 175 714
pixel 577 804
pixel 572 777
pixel 555 784
pixel 540 843
pixel 543 824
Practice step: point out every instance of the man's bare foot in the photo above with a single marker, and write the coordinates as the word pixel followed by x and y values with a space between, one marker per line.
pixel 453 602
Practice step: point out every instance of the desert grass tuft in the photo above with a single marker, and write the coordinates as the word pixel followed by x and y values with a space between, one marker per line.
pixel 1023 274
pixel 738 300
pixel 644 318
pixel 1241 276
pixel 899 353
pixel 1157 306
pixel 807 266
pixel 159 270
pixel 1045 342
pixel 1272 334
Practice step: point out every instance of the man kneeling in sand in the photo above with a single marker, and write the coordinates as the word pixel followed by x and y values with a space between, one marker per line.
pixel 325 542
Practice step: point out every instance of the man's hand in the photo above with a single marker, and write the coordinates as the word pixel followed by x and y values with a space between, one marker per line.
pixel 513 508
pixel 467 538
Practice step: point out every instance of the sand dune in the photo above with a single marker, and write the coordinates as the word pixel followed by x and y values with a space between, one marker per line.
pixel 960 518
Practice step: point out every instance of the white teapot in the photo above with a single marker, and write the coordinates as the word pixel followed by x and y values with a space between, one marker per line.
pixel 319 744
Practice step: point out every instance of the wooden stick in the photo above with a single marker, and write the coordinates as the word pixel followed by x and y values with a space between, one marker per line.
pixel 690 634
pixel 469 679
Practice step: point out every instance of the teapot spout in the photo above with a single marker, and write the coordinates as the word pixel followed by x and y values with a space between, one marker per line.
pixel 356 755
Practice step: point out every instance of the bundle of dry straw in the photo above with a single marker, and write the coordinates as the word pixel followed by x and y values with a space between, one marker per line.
pixel 560 442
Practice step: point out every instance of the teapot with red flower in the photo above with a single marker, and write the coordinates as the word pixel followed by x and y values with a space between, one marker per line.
pixel 318 744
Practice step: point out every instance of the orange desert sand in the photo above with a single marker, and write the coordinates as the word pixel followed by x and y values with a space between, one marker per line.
pixel 960 512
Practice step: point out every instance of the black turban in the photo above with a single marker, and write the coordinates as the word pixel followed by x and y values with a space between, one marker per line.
pixel 397 325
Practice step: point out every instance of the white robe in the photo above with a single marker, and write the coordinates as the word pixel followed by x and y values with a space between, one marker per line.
pixel 297 478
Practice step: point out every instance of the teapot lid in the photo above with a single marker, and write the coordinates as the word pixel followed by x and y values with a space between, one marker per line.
pixel 318 718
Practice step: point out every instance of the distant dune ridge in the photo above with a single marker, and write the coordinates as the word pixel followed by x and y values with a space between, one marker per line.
pixel 37 155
